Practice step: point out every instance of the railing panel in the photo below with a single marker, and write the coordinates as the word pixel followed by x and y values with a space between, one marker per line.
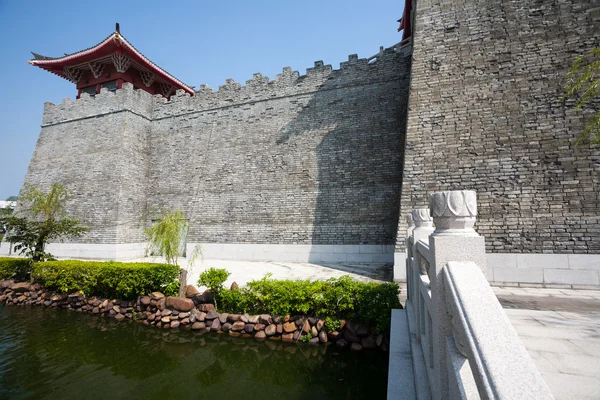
pixel 502 367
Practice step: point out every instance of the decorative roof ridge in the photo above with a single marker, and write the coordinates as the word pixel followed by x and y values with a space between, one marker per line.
pixel 115 36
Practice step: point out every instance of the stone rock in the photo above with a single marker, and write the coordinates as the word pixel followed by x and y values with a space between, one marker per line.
pixel 245 318
pixel 314 341
pixel 296 335
pixel 342 325
pixel 323 337
pixel 104 304
pixel 287 337
pixel 233 317
pixel 254 319
pixel 341 343
pixel 117 309
pixel 185 321
pixel 157 296
pixel 333 336
pixel 276 319
pixel 234 286
pixel 279 329
pixel 174 317
pixel 306 328
pixel 300 322
pixel 238 326
pixel 368 342
pixel 145 300
pixel 270 330
pixel 183 315
pixel 175 324
pixel 249 328
pixel 119 317
pixel 216 325
pixel 205 297
pixel 161 304
pixel 320 324
pixel 165 320
pixel 289 327
pixel 96 310
pixel 265 319
pixel 191 291
pixel 314 332
pixel 226 327
pixel 362 331
pixel 198 325
pixel 201 316
pixel 259 327
pixel 180 304
pixel 260 335
pixel 206 307
pixel 212 315
pixel 20 287
pixel 223 317
pixel 6 284
pixel 350 336
pixel 356 347
pixel 166 313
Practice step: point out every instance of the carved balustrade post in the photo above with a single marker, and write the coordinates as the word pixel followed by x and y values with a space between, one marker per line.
pixel 454 239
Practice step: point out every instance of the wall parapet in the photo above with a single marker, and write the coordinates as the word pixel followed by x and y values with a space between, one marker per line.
pixel 355 71
pixel 106 102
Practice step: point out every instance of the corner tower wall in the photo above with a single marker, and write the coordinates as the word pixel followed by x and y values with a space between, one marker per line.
pixel 484 114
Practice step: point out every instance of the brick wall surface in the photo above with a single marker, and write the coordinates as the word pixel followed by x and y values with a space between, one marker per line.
pixel 484 115
pixel 306 159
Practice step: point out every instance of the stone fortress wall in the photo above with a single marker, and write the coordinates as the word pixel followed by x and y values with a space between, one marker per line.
pixel 300 168
pixel 484 114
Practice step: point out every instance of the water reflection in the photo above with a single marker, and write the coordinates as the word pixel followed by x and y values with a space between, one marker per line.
pixel 50 353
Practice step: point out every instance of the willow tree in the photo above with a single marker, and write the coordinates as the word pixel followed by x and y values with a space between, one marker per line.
pixel 167 234
pixel 583 84
pixel 40 218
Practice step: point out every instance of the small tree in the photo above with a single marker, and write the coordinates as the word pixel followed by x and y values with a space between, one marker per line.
pixel 41 217
pixel 584 84
pixel 214 278
pixel 167 234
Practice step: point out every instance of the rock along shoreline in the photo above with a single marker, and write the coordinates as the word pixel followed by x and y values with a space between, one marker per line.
pixel 195 312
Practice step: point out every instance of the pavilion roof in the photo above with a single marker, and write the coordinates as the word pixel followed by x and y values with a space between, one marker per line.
pixel 103 51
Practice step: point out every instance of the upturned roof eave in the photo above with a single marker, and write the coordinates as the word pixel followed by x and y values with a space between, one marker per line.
pixel 103 48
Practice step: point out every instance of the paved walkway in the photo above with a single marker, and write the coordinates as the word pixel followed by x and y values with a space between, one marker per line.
pixel 245 271
pixel 561 330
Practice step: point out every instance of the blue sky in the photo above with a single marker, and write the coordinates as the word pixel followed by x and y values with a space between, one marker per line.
pixel 196 41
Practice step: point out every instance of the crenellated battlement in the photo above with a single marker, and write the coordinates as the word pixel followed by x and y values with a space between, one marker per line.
pixel 388 64
pixel 136 101
pixel 391 63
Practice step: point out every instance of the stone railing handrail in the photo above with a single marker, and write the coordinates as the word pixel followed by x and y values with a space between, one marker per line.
pixel 468 345
pixel 500 364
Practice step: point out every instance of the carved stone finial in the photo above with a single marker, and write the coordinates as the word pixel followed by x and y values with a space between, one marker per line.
pixel 421 217
pixel 454 212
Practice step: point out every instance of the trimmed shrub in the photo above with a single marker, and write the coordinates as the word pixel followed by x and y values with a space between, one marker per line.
pixel 15 268
pixel 337 298
pixel 108 279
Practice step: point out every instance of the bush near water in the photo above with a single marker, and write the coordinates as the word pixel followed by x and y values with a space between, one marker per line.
pixel 107 279
pixel 14 268
pixel 334 299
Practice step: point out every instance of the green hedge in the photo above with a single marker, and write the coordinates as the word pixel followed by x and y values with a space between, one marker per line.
pixel 107 279
pixel 339 298
pixel 14 268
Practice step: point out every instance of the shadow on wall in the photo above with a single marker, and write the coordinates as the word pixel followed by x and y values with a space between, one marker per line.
pixel 357 119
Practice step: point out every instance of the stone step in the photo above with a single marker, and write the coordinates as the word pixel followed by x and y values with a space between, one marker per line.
pixel 401 379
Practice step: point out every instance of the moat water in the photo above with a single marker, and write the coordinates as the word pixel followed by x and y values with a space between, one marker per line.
pixel 59 354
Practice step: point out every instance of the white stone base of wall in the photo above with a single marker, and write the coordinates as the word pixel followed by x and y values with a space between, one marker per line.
pixel 331 254
pixel 90 251
pixel 566 271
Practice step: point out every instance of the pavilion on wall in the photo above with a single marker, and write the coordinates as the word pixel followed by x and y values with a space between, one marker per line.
pixel 107 65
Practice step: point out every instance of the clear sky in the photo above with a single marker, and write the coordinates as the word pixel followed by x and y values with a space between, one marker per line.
pixel 196 41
